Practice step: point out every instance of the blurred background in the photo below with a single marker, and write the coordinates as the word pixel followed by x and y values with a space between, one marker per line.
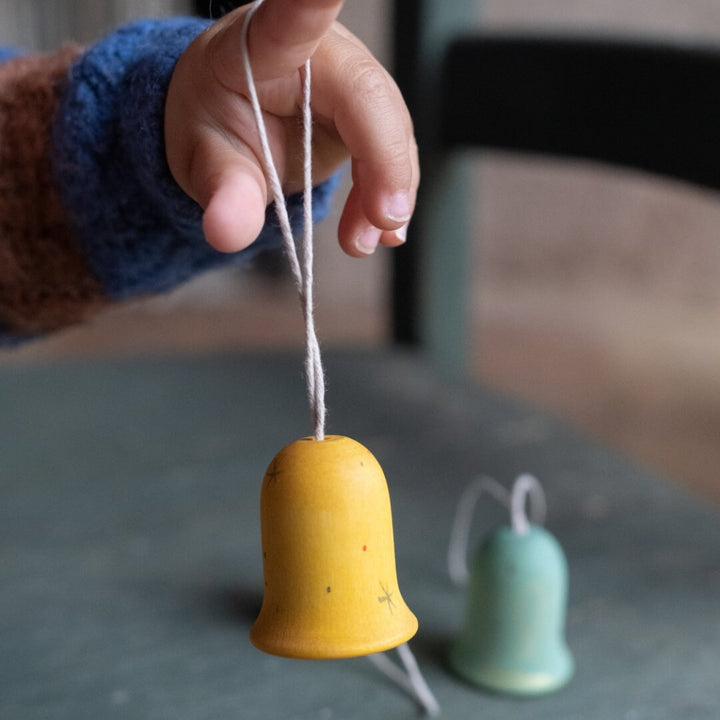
pixel 596 291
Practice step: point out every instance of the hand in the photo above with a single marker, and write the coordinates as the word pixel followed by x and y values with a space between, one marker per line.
pixel 211 137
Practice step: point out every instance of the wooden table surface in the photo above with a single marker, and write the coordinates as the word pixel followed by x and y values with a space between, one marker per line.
pixel 130 567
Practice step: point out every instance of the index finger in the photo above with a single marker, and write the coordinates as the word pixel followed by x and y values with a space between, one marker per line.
pixel 283 34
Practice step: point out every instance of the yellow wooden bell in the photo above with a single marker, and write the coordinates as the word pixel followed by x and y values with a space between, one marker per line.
pixel 331 588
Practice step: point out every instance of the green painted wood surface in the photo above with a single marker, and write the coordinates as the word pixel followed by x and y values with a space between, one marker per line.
pixel 130 567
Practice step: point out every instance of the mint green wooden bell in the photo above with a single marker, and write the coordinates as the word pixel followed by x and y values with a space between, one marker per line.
pixel 513 637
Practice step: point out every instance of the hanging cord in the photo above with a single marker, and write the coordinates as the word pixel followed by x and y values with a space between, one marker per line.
pixel 514 501
pixel 410 680
pixel 303 274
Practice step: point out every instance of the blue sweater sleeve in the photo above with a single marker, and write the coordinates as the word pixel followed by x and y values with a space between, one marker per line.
pixel 7 53
pixel 138 230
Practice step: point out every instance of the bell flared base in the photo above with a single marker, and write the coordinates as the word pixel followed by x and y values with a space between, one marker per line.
pixel 513 681
pixel 311 646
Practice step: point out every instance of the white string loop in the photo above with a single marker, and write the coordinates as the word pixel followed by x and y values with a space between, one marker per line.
pixel 514 501
pixel 524 486
pixel 410 680
pixel 303 274
pixel 460 531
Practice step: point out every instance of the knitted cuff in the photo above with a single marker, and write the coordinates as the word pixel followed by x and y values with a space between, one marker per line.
pixel 140 232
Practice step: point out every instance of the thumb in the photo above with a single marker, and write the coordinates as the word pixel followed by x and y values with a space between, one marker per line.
pixel 235 214
pixel 231 187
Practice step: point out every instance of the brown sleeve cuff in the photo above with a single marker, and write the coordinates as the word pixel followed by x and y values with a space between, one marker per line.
pixel 45 282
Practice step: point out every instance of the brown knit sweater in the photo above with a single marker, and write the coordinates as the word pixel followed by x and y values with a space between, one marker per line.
pixel 89 211
pixel 45 282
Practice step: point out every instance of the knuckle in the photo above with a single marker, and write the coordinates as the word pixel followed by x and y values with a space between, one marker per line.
pixel 369 83
pixel 396 157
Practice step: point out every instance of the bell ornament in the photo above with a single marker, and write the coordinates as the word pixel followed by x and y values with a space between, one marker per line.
pixel 513 637
pixel 331 588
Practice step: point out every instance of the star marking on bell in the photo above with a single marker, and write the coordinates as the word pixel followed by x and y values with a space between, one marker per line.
pixel 273 472
pixel 386 597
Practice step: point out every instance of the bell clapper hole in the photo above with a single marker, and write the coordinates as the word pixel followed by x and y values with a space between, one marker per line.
pixel 525 486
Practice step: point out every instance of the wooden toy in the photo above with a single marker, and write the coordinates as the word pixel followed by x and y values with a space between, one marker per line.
pixel 331 589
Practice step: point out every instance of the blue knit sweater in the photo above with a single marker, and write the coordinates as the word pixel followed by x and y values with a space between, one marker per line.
pixel 128 226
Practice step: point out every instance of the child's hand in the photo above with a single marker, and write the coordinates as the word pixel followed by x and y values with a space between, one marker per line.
pixel 211 137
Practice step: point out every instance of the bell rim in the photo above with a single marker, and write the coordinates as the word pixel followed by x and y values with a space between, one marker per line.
pixel 332 649
pixel 503 681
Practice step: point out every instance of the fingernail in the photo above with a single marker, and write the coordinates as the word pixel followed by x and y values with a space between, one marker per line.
pixel 368 240
pixel 398 207
pixel 401 233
